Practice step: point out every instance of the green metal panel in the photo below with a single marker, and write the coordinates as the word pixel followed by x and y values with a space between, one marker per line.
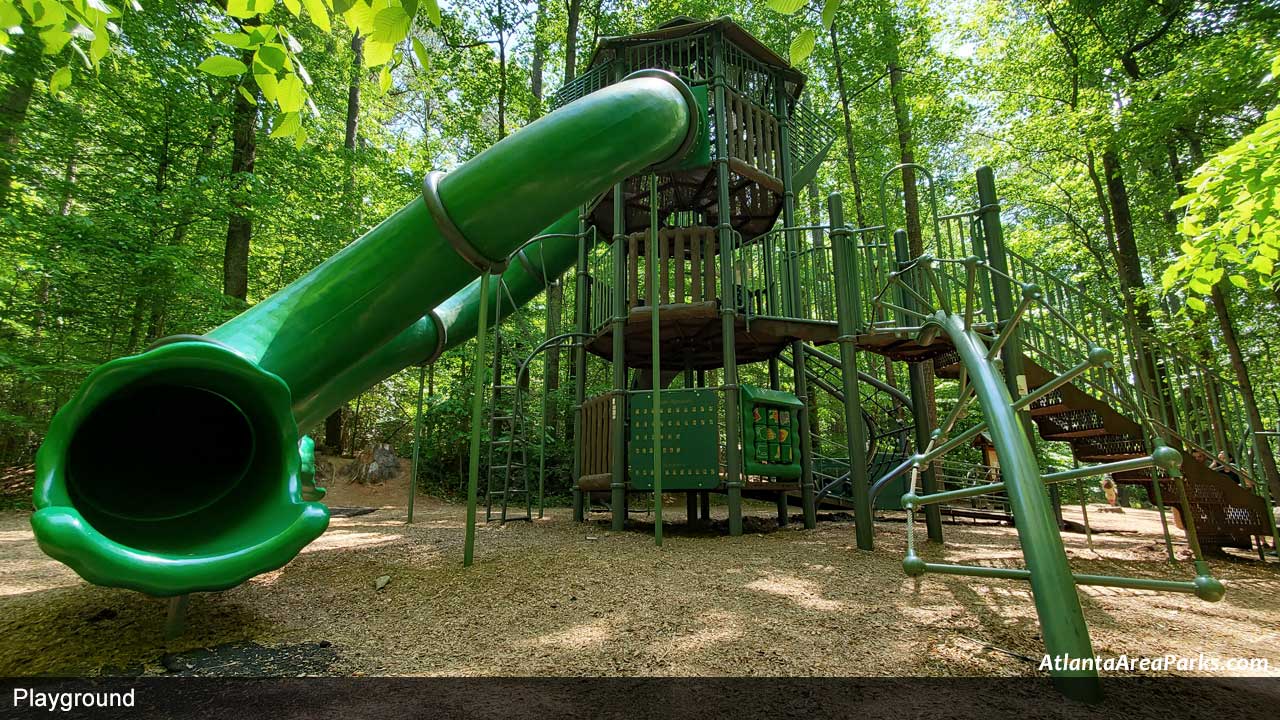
pixel 690 440
pixel 699 155
pixel 771 432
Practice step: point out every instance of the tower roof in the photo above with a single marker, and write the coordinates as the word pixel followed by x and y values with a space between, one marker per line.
pixel 682 26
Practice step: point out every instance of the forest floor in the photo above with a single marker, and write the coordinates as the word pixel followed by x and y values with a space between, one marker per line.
pixel 553 597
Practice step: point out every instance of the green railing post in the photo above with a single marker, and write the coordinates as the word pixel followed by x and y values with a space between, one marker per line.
pixel 618 438
pixel 417 440
pixel 652 283
pixel 477 415
pixel 807 491
pixel 849 322
pixel 919 404
pixel 1015 375
pixel 724 234
pixel 580 366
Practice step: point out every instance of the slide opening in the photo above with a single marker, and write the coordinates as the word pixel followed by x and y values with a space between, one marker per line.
pixel 157 452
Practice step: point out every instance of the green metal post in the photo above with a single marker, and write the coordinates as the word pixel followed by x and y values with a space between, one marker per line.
pixel 919 405
pixel 581 278
pixel 1052 585
pixel 477 415
pixel 1015 374
pixel 724 233
pixel 807 491
pixel 417 439
pixel 652 283
pixel 849 321
pixel 618 441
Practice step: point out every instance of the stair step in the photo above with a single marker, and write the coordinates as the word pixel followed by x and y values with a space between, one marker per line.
pixel 1075 434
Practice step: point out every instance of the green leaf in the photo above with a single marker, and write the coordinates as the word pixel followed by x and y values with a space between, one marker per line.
pixel 391 24
pixel 829 10
pixel 1262 265
pixel 1169 277
pixel 9 15
pixel 223 66
pixel 1196 304
pixel 802 46
pixel 287 125
pixel 433 11
pixel 384 78
pixel 60 80
pixel 99 48
pixel 235 40
pixel 292 95
pixel 47 13
pixel 293 6
pixel 273 56
pixel 420 52
pixel 1240 281
pixel 55 39
pixel 318 13
pixel 377 52
pixel 268 84
pixel 787 7
pixel 361 16
pixel 244 93
pixel 249 8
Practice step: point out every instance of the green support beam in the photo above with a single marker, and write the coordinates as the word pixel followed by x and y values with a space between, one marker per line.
pixel 849 321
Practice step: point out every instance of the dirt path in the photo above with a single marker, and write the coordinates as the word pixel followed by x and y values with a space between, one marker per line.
pixel 558 598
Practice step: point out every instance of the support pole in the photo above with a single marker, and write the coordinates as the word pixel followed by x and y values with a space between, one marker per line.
pixel 653 255
pixel 807 490
pixel 1015 374
pixel 724 235
pixel 849 321
pixel 580 368
pixel 417 439
pixel 919 404
pixel 175 622
pixel 477 415
pixel 691 508
pixel 618 430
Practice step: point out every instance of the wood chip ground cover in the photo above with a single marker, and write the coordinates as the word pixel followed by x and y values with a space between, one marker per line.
pixel 553 597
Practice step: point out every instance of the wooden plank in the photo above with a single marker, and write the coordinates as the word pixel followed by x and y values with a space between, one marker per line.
pixel 664 263
pixel 633 279
pixel 695 265
pixel 709 268
pixel 680 235
pixel 755 175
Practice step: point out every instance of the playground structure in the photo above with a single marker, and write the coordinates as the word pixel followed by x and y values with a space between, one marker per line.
pixel 698 143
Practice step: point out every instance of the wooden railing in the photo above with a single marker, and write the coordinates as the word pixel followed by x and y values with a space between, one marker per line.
pixel 597 449
pixel 754 140
pixel 686 267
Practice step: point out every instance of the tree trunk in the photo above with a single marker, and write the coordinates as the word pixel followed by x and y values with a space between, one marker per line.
pixel 537 63
pixel 333 423
pixel 333 432
pixel 353 92
pixel 26 64
pixel 571 41
pixel 244 130
pixel 910 194
pixel 850 154
pixel 1227 326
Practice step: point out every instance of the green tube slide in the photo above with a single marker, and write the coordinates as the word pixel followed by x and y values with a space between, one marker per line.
pixel 178 470
pixel 454 321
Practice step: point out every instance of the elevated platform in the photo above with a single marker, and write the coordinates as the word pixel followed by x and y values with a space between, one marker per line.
pixel 691 336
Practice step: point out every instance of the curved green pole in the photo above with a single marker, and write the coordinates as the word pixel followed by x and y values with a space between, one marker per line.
pixel 1052 586
pixel 169 528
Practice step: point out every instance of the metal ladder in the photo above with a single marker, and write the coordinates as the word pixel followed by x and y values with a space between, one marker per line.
pixel 507 472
